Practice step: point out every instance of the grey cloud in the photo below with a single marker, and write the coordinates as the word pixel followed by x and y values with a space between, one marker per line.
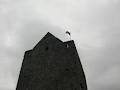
pixel 94 25
pixel 105 21
pixel 33 30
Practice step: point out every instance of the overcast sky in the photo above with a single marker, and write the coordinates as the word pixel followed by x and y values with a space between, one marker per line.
pixel 94 26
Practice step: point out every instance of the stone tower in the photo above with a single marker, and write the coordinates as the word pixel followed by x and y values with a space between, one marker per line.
pixel 52 65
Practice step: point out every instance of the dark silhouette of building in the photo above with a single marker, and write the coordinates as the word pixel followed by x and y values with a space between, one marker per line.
pixel 52 65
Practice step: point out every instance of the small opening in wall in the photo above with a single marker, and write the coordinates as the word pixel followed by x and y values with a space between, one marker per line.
pixel 81 85
pixel 75 62
pixel 46 48
pixel 66 69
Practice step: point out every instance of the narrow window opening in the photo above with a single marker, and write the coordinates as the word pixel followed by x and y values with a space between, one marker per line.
pixel 75 62
pixel 67 69
pixel 81 85
pixel 46 48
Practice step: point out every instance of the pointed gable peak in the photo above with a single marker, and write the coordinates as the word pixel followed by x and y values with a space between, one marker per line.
pixel 48 39
pixel 48 35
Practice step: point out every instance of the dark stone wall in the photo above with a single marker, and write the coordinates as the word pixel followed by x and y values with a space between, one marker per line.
pixel 52 65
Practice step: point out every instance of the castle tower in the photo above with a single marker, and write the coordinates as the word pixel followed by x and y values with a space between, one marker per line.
pixel 52 65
